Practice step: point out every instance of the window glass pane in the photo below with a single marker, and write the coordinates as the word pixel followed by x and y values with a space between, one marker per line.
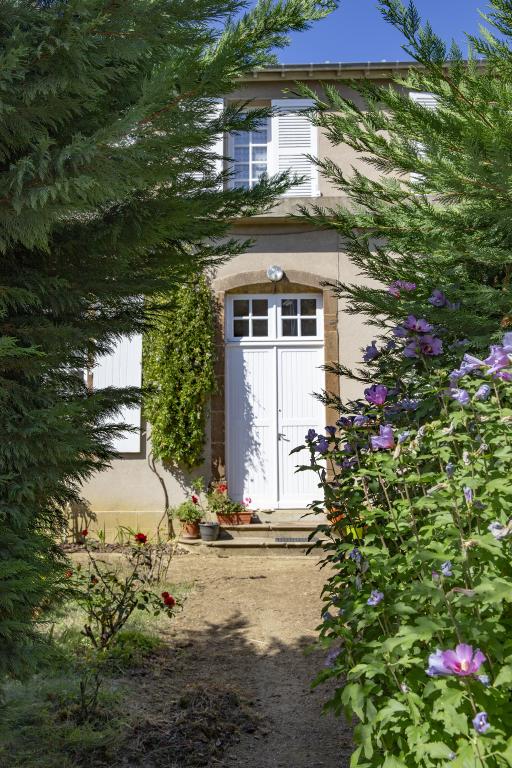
pixel 260 327
pixel 308 327
pixel 260 307
pixel 259 154
pixel 240 138
pixel 241 171
pixel 259 135
pixel 241 184
pixel 258 170
pixel 241 307
pixel 290 327
pixel 308 306
pixel 240 328
pixel 242 154
pixel 289 307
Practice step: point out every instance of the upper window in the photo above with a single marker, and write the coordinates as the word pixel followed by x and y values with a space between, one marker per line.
pixel 274 317
pixel 250 155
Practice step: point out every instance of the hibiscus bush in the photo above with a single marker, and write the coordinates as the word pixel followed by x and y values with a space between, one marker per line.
pixel 418 607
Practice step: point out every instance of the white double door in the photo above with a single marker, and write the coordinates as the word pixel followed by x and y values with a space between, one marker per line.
pixel 270 407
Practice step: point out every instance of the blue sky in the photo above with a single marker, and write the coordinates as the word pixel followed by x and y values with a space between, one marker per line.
pixel 357 32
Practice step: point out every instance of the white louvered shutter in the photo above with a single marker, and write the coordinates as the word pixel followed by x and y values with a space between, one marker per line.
pixel 429 101
pixel 292 137
pixel 123 368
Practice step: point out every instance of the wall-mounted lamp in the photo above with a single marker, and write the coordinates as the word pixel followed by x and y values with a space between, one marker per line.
pixel 275 273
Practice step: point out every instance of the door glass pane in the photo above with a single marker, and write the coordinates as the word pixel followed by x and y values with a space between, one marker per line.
pixel 289 307
pixel 308 327
pixel 290 327
pixel 241 307
pixel 308 306
pixel 240 328
pixel 260 307
pixel 260 327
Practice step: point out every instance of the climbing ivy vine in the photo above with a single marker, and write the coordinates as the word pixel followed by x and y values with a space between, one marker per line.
pixel 179 356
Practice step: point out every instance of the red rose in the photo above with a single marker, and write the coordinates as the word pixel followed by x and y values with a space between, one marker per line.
pixel 68 574
pixel 195 499
pixel 222 488
pixel 84 533
pixel 168 599
pixel 141 538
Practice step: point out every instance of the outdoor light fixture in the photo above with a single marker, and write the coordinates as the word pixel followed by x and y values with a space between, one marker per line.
pixel 275 273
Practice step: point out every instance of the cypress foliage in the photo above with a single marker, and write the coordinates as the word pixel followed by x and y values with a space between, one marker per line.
pixel 108 191
pixel 433 206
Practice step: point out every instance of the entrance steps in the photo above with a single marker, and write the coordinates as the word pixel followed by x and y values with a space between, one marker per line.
pixel 260 540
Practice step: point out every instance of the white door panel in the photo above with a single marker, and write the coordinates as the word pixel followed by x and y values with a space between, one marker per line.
pixel 252 424
pixel 299 377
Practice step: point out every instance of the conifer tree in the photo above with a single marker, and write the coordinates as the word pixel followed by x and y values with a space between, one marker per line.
pixel 108 192
pixel 433 226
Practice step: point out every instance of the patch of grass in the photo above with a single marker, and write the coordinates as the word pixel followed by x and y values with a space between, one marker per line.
pixel 131 648
pixel 38 728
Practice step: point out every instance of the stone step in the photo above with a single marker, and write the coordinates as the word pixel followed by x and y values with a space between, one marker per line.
pixel 288 516
pixel 255 547
pixel 268 531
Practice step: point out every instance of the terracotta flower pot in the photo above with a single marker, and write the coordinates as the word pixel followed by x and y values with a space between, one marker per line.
pixel 191 530
pixel 240 518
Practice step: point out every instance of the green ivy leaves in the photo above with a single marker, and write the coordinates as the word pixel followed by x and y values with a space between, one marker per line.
pixel 178 373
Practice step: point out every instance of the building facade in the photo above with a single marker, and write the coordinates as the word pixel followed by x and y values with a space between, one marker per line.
pixel 278 324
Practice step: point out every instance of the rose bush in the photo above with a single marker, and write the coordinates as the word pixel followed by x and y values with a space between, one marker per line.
pixel 418 607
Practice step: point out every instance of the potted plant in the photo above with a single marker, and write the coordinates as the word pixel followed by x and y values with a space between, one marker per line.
pixel 228 512
pixel 189 513
pixel 208 529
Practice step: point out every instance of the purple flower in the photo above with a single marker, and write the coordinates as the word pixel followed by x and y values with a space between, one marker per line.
pixel 438 299
pixel 310 435
pixel 361 421
pixel 322 446
pixel 407 404
pixel 483 392
pixel 371 353
pixel 484 679
pixel 468 494
pixel 450 469
pixel 349 463
pixel 463 661
pixel 446 569
pixel 400 332
pixel 331 657
pixel 375 597
pixel 402 437
pixel 417 325
pixel 471 363
pixel 344 422
pixel 385 440
pixel 355 555
pixel 331 431
pixel 480 722
pixel 326 616
pixel 428 345
pixel 400 285
pixel 376 394
pixel 504 376
pixel 460 395
pixel 497 360
pixel 391 345
pixel 498 530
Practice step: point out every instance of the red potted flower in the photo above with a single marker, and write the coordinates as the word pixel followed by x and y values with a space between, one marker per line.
pixel 228 512
pixel 189 513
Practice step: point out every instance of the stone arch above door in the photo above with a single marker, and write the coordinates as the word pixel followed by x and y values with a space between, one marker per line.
pixel 294 281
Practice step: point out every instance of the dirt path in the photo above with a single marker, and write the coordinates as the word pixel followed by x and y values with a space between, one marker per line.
pixel 247 624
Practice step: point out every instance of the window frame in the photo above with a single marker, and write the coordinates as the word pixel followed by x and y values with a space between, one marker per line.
pixel 232 163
